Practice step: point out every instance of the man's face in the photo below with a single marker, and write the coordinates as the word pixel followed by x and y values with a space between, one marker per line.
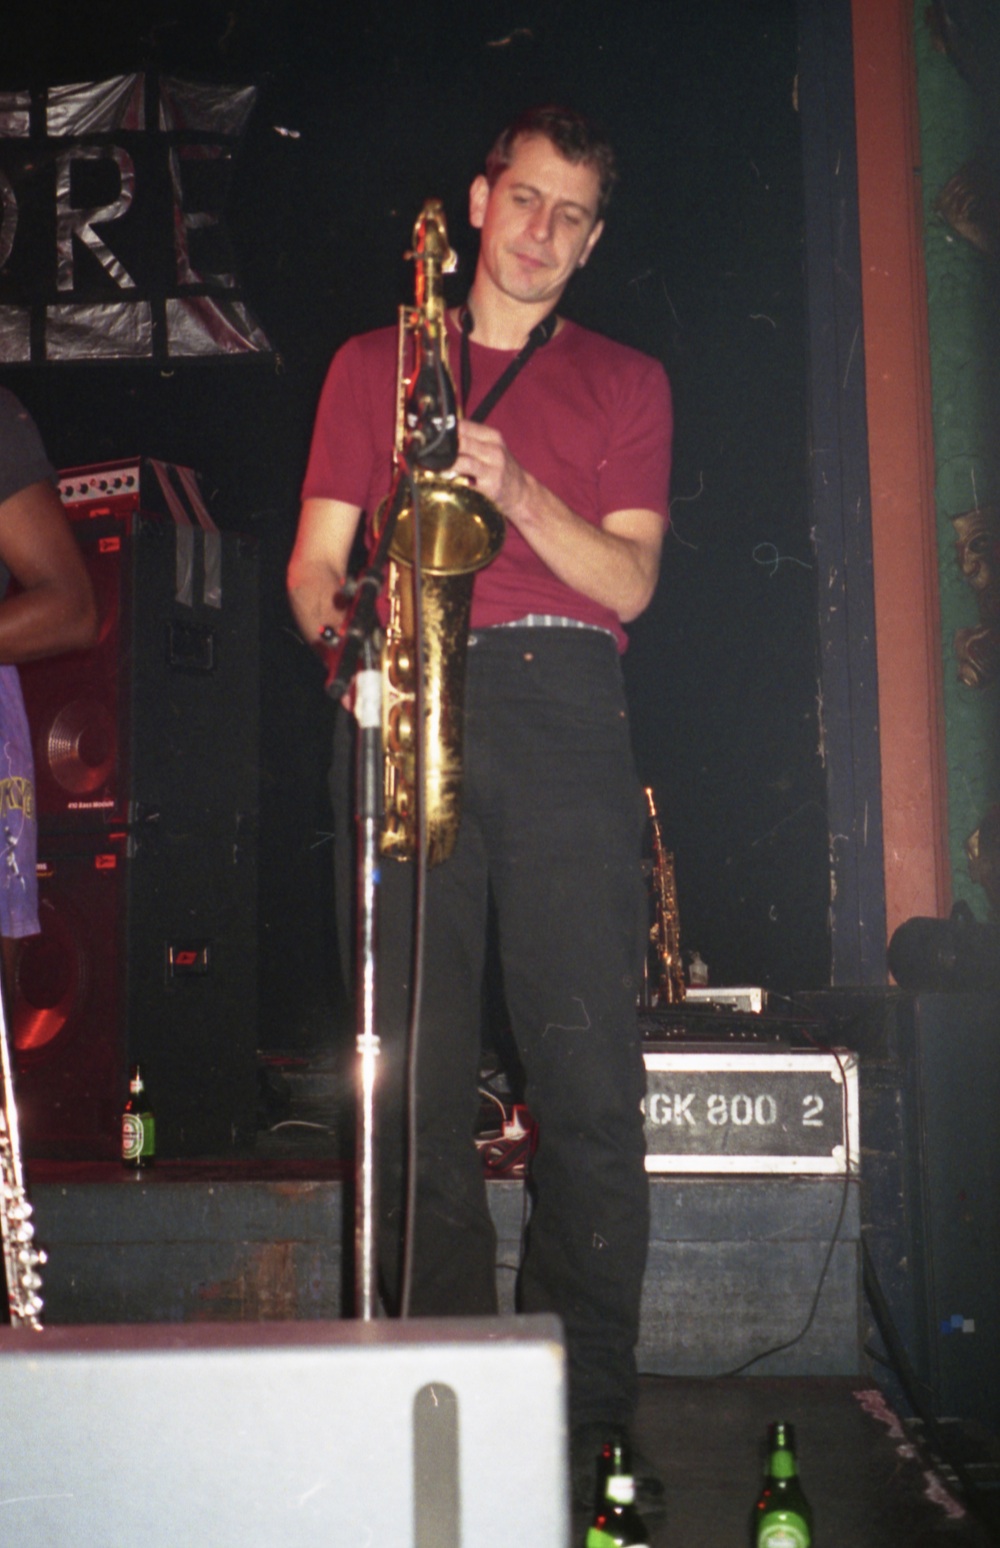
pixel 538 222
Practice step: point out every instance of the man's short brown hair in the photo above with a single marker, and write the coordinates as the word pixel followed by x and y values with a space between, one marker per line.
pixel 573 136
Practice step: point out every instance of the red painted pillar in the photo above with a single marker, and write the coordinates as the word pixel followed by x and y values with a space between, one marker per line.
pixel 901 464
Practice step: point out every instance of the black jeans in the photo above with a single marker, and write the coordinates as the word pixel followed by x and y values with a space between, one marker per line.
pixel 552 822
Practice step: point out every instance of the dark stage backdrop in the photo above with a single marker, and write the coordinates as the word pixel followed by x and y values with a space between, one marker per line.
pixel 365 110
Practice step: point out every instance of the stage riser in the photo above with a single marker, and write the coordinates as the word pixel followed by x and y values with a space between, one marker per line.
pixel 733 1265
pixel 732 1271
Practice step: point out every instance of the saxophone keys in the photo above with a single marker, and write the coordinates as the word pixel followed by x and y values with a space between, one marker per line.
pixel 400 729
pixel 401 666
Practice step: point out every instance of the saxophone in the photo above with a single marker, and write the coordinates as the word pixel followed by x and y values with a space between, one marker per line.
pixel 665 932
pixel 21 1258
pixel 460 532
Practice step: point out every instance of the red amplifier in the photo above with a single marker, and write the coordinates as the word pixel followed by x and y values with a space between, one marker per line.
pixel 107 489
pixel 118 489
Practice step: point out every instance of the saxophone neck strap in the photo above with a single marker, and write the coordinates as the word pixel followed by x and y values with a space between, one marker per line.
pixel 538 336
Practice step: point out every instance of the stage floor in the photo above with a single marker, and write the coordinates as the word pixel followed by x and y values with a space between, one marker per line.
pixel 868 1486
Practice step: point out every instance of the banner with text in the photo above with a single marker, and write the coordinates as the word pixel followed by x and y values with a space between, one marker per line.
pixel 112 239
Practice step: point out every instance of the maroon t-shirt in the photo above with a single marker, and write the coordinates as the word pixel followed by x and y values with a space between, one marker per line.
pixel 589 418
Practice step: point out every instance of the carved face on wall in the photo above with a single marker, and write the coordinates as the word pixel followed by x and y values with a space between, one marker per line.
pixel 977 544
pixel 977 548
pixel 982 850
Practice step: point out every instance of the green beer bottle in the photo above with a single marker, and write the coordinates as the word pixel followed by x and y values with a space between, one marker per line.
pixel 617 1523
pixel 782 1517
pixel 138 1124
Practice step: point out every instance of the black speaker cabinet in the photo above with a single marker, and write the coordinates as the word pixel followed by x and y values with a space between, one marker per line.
pixel 159 719
pixel 147 953
pixel 954 1186
pixel 67 1009
pixel 433 1434
pixel 930 1177
pixel 146 778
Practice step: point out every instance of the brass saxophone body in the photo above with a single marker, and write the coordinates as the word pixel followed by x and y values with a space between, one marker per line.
pixel 460 531
pixel 665 933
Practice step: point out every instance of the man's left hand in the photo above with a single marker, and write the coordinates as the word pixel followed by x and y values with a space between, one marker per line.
pixel 484 459
pixel 615 562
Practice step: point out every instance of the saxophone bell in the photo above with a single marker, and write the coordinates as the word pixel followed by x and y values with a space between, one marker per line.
pixel 460 530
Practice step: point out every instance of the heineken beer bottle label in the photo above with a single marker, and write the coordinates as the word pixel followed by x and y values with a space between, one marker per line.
pixel 138 1137
pixel 790 1533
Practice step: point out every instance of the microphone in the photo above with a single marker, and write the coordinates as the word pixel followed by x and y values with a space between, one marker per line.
pixel 430 413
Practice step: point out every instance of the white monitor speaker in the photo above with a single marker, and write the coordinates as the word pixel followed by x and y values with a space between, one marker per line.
pixel 419 1434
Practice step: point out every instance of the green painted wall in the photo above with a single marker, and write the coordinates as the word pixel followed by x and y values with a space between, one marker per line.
pixel 957 85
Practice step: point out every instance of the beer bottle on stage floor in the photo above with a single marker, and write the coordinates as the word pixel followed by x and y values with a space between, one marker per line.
pixel 138 1124
pixel 782 1517
pixel 617 1523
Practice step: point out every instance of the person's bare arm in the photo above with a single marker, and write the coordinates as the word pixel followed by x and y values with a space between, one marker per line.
pixel 52 608
pixel 318 566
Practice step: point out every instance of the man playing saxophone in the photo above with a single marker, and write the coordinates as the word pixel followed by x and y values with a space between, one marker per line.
pixel 574 451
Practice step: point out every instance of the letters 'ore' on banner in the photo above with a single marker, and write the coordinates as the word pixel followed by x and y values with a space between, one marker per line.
pixel 112 242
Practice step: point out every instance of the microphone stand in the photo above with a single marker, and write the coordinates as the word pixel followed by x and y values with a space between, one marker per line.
pixel 357 660
pixel 432 443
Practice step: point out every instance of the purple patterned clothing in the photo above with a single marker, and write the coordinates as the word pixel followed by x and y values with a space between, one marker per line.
pixel 18 822
pixel 22 462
